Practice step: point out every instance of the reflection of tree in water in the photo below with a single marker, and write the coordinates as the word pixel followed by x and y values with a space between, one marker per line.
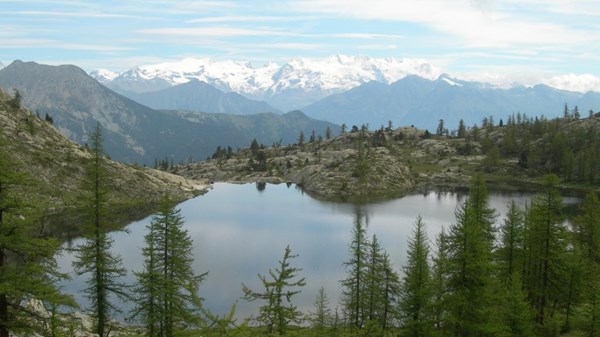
pixel 260 186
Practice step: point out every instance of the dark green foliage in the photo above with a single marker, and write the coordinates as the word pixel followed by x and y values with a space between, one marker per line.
pixel 166 294
pixel 515 313
pixel 278 311
pixel 470 281
pixel 510 253
pixel 415 299
pixel 94 256
pixel 27 266
pixel 439 285
pixel 587 231
pixel 353 293
pixel 546 251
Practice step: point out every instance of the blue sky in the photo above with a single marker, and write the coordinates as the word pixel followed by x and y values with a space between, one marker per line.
pixel 517 39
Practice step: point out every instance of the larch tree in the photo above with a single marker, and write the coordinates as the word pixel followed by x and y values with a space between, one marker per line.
pixel 509 254
pixel 167 297
pixel 439 284
pixel 322 318
pixel 374 282
pixel 353 287
pixel 279 289
pixel 27 266
pixel 470 279
pixel 546 251
pixel 415 295
pixel 587 226
pixel 94 257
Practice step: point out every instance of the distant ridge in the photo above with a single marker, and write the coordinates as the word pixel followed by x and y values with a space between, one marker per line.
pixel 421 102
pixel 292 85
pixel 135 133
pixel 200 96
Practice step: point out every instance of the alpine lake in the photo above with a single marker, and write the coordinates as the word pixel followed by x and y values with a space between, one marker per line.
pixel 240 231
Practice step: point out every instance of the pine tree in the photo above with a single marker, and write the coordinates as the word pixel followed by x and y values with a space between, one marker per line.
pixel 279 311
pixel 94 256
pixel 415 299
pixel 470 282
pixel 27 265
pixel 167 291
pixel 356 267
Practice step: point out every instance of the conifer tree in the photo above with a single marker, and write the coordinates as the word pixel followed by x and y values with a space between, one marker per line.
pixel 515 314
pixel 356 269
pixel 470 282
pixel 27 264
pixel 322 317
pixel 439 284
pixel 587 225
pixel 546 244
pixel 391 292
pixel 167 291
pixel 415 299
pixel 510 252
pixel 279 311
pixel 94 256
pixel 374 293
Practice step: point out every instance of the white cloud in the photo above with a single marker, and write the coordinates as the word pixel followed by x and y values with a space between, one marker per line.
pixel 477 26
pixel 574 82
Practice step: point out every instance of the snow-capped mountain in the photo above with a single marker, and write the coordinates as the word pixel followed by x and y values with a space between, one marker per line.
pixel 104 75
pixel 293 85
pixel 1 65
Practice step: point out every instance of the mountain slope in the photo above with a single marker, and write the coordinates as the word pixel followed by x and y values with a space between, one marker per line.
pixel 76 102
pixel 200 96
pixel 421 102
pixel 133 132
pixel 55 169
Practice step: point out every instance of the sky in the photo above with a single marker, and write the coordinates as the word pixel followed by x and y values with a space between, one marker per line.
pixel 494 40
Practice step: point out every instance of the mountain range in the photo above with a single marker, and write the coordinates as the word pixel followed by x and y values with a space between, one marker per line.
pixel 341 89
pixel 292 85
pixel 134 132
pixel 418 101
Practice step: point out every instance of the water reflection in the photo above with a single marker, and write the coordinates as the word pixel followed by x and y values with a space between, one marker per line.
pixel 242 230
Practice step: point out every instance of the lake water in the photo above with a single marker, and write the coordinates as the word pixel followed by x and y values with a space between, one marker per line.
pixel 241 230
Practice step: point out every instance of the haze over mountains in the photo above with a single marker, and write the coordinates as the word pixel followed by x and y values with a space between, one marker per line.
pixel 353 90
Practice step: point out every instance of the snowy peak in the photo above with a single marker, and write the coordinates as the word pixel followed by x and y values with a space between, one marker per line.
pixel 1 65
pixel 101 75
pixel 323 76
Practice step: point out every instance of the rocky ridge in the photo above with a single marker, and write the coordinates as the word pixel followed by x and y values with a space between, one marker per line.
pixel 352 166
